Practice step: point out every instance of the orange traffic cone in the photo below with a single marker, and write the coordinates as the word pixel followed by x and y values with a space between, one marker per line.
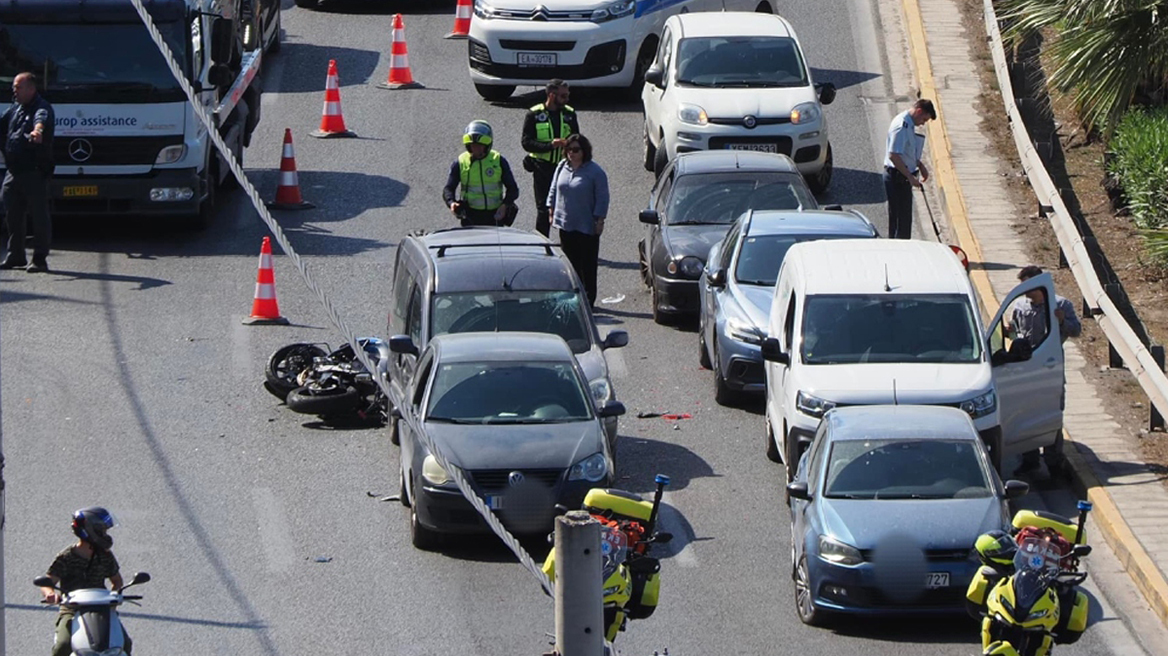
pixel 399 60
pixel 264 310
pixel 332 122
pixel 288 189
pixel 461 20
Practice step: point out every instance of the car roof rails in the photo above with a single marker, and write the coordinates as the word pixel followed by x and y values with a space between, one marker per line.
pixel 442 248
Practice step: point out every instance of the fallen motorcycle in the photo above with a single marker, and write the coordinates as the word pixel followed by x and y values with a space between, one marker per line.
pixel 313 381
pixel 632 578
pixel 96 627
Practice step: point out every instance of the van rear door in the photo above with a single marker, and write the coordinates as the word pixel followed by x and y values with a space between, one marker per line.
pixel 1029 386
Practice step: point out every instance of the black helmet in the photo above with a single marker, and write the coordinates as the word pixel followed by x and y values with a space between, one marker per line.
pixel 91 525
pixel 478 132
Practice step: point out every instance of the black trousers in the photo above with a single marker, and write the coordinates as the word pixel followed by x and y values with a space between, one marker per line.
pixel 541 179
pixel 583 251
pixel 473 217
pixel 27 194
pixel 900 204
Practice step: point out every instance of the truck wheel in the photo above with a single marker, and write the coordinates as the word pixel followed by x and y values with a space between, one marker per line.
pixel 492 93
pixel 206 213
pixel 307 4
pixel 274 46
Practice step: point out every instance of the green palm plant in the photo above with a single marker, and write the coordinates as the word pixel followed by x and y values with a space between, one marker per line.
pixel 1103 50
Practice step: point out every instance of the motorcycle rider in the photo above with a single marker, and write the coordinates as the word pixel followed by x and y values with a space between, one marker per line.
pixel 488 186
pixel 86 564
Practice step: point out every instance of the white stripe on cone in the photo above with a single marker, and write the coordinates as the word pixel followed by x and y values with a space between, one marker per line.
pixel 399 61
pixel 332 109
pixel 265 260
pixel 463 12
pixel 265 291
pixel 288 154
pixel 330 83
pixel 288 179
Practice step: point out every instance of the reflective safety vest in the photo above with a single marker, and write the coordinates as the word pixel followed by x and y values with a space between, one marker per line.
pixel 544 133
pixel 482 180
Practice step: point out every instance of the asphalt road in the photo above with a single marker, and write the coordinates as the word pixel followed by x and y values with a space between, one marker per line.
pixel 128 381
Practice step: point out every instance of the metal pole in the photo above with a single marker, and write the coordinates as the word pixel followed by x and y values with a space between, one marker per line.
pixel 579 602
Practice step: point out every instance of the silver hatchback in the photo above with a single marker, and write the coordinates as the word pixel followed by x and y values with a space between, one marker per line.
pixel 737 286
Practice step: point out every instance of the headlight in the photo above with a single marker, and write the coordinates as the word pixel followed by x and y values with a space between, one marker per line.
pixel 982 405
pixel 834 551
pixel 592 469
pixel 692 114
pixel 615 10
pixel 1038 614
pixel 601 390
pixel 812 406
pixel 433 473
pixel 688 266
pixel 805 113
pixel 171 154
pixel 483 10
pixel 743 331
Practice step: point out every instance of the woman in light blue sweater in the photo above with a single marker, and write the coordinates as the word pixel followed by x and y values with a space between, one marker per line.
pixel 578 203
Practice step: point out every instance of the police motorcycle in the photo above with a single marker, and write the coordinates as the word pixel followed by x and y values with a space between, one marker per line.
pixel 628 530
pixel 96 627
pixel 315 382
pixel 1027 590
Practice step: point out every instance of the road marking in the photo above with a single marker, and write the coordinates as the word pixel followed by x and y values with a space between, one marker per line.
pixel 274 531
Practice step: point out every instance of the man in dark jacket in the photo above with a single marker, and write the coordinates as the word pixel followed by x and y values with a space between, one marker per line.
pixel 27 128
pixel 546 129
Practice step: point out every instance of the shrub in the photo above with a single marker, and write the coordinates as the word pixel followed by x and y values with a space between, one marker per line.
pixel 1139 163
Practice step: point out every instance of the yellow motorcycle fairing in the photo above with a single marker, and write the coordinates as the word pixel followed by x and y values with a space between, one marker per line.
pixel 1001 607
pixel 1043 519
pixel 621 504
pixel 616 592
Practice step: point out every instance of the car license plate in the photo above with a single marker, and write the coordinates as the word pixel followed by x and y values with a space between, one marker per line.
pixel 758 148
pixel 73 191
pixel 495 502
pixel 537 59
pixel 934 580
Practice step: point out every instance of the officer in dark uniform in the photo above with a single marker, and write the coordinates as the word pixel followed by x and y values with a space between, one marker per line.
pixel 488 187
pixel 546 128
pixel 27 127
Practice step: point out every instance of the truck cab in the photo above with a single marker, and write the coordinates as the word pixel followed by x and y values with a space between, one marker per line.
pixel 127 141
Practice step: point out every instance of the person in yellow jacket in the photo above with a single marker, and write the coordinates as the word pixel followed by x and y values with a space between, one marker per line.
pixel 546 128
pixel 488 189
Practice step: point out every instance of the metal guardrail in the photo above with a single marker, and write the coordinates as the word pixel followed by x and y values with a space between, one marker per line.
pixel 1122 338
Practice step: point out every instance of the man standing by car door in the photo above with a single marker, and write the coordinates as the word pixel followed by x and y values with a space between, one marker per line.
pixel 27 128
pixel 546 128
pixel 902 165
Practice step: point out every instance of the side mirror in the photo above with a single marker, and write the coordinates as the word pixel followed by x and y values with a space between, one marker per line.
pixel 611 409
pixel 139 577
pixel 716 278
pixel 772 352
pixel 655 76
pixel 665 538
pixel 650 217
pixel 615 339
pixel 1015 489
pixel 44 581
pixel 798 490
pixel 826 93
pixel 1081 550
pixel 222 39
pixel 402 344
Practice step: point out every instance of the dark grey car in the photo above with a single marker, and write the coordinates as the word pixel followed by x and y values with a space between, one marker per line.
pixel 696 198
pixel 513 412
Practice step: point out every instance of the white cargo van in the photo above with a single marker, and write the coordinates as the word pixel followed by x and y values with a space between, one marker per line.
pixel 596 43
pixel 865 322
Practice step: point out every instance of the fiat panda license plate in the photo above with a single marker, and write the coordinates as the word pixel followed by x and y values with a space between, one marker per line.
pixel 756 147
pixel 537 59
pixel 934 580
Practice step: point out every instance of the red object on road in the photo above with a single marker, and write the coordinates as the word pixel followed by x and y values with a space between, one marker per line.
pixel 264 309
pixel 332 121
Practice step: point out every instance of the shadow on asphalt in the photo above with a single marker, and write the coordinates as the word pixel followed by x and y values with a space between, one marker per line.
pixel 854 187
pixel 354 67
pixel 957 628
pixel 640 459
pixel 840 78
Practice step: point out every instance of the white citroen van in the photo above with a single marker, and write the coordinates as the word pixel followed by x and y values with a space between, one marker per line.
pixel 865 322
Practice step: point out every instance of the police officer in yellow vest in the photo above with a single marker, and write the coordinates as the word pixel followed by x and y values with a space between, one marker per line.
pixel 546 127
pixel 489 189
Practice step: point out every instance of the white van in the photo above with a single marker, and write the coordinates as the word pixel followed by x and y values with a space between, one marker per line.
pixel 596 43
pixel 865 322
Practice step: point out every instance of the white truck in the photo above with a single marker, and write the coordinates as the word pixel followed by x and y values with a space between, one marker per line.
pixel 127 142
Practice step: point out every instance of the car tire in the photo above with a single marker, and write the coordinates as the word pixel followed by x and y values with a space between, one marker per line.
pixel 772 448
pixel 723 394
pixel 804 601
pixel 644 60
pixel 660 317
pixel 394 429
pixel 820 181
pixel 643 261
pixel 402 496
pixel 649 151
pixel 421 537
pixel 1055 458
pixel 660 159
pixel 308 4
pixel 703 353
pixel 791 457
pixel 493 93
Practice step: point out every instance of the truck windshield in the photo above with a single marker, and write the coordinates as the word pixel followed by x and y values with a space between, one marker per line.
pixel 92 63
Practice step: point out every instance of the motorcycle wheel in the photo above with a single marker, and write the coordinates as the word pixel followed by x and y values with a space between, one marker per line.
pixel 322 401
pixel 286 364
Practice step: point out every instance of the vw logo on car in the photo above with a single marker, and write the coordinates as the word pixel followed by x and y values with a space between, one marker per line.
pixel 515 478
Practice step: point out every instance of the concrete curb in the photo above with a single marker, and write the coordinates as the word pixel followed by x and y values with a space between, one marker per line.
pixel 1128 549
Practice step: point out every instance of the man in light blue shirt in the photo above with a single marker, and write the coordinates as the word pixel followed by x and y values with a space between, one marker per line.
pixel 903 165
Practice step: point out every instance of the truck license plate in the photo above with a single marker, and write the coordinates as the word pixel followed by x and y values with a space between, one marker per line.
pixel 74 191
pixel 934 580
pixel 537 59
pixel 758 148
